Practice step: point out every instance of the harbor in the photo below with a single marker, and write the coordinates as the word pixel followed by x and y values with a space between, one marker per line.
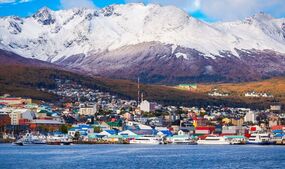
pixel 211 139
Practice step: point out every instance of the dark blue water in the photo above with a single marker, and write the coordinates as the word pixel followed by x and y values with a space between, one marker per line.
pixel 141 156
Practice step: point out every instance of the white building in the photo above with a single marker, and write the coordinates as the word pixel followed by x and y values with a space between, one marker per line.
pixel 250 117
pixel 255 94
pixel 275 107
pixel 88 111
pixel 15 117
pixel 147 106
pixel 251 94
pixel 217 94
pixel 18 114
pixel 232 130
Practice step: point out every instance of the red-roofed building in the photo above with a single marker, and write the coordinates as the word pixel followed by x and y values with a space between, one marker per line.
pixel 204 129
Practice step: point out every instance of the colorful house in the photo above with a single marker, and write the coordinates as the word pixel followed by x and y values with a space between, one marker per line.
pixel 83 130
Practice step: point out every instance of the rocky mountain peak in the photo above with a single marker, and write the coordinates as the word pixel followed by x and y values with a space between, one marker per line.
pixel 44 16
pixel 260 17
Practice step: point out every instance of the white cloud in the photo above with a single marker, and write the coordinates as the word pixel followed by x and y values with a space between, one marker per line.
pixel 226 9
pixel 24 1
pixel 14 1
pixel 67 4
pixel 239 9
pixel 6 1
pixel 187 5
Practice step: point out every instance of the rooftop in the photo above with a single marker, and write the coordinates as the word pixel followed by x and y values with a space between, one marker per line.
pixel 41 121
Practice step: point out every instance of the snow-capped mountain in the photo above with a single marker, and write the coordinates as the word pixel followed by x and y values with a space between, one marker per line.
pixel 162 44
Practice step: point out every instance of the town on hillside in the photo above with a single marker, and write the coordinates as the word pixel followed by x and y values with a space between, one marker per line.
pixel 94 117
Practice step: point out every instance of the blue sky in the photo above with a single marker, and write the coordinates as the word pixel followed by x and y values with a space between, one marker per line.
pixel 208 10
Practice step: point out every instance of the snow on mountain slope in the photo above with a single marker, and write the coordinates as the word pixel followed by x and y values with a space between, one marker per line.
pixel 162 63
pixel 56 35
pixel 258 32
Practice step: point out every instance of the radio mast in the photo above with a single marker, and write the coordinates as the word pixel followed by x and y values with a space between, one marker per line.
pixel 138 91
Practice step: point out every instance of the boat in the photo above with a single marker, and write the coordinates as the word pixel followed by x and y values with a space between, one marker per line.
pixel 236 140
pixel 30 139
pixel 59 140
pixel 212 139
pixel 146 140
pixel 259 138
pixel 182 140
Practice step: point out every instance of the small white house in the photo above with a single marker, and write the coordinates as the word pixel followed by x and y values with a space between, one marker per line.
pixel 183 132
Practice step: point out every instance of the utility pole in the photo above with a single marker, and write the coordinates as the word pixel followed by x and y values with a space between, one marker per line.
pixel 138 91
pixel 142 99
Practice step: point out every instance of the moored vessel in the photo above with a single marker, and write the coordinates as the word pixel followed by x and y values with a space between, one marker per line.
pixel 182 140
pixel 59 140
pixel 260 139
pixel 146 140
pixel 215 140
pixel 30 139
pixel 236 139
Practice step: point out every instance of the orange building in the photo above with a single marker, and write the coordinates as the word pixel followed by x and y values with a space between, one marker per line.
pixel 45 124
pixel 4 120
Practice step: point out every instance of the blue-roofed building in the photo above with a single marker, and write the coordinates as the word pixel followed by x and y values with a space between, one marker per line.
pixel 145 132
pixel 83 130
pixel 107 133
pixel 56 133
pixel 165 133
pixel 278 134
pixel 127 134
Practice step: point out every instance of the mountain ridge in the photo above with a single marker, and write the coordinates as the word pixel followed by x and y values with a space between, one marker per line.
pixel 79 38
pixel 22 77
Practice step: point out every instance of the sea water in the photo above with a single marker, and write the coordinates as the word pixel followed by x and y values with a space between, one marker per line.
pixel 141 156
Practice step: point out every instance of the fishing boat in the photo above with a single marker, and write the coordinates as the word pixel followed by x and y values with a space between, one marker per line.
pixel 217 140
pixel 146 140
pixel 259 138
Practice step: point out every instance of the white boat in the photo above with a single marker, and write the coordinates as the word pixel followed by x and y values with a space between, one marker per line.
pixel 60 139
pixel 217 140
pixel 146 140
pixel 259 138
pixel 30 139
pixel 236 139
pixel 182 140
